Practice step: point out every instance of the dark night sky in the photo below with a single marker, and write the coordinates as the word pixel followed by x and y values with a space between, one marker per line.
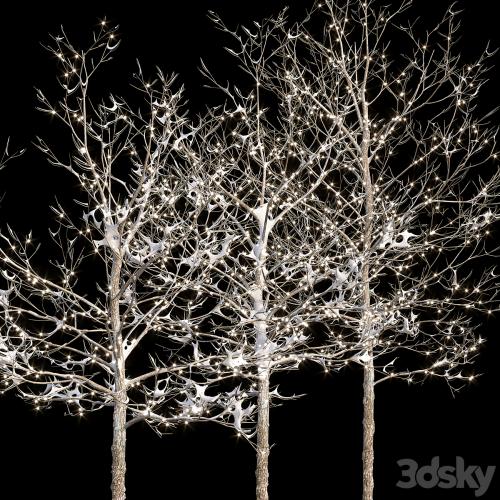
pixel 317 438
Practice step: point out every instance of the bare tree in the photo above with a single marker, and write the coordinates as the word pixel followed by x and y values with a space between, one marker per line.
pixel 400 148
pixel 274 237
pixel 109 320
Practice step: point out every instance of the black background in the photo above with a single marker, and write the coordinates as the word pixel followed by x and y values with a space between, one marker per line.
pixel 317 438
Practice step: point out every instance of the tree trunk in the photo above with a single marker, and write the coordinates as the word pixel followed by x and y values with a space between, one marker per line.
pixel 264 373
pixel 369 371
pixel 118 447
pixel 119 466
pixel 368 428
pixel 262 469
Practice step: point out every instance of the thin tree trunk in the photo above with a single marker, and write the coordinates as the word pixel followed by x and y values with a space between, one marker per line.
pixel 264 373
pixel 369 371
pixel 118 447
pixel 119 466
pixel 368 428
pixel 262 469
